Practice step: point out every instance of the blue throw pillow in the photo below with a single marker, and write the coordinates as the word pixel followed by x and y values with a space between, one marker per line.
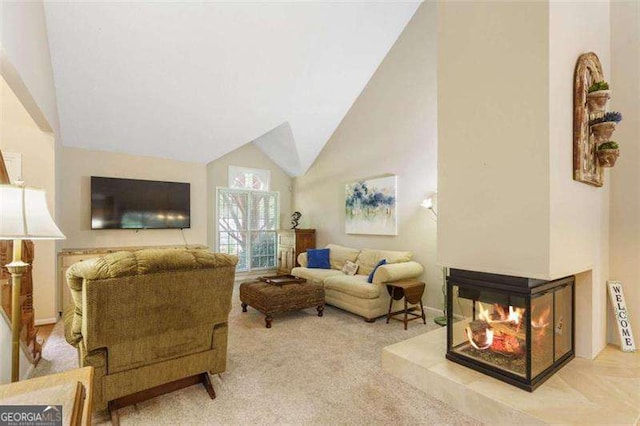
pixel 318 259
pixel 382 262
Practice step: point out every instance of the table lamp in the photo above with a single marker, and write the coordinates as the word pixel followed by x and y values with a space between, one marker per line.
pixel 23 216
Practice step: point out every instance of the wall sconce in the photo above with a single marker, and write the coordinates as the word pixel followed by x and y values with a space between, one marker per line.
pixel 427 203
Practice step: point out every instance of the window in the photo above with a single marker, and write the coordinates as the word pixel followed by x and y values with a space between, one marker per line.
pixel 247 224
pixel 251 179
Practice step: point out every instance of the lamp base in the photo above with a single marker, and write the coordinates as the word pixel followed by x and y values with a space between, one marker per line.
pixel 17 268
pixel 441 321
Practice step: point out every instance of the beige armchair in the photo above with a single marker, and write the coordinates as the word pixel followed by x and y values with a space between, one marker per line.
pixel 148 318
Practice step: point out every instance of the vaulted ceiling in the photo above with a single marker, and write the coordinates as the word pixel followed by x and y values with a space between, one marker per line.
pixel 194 81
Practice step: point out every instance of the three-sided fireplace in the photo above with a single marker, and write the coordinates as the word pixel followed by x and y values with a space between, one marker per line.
pixel 519 330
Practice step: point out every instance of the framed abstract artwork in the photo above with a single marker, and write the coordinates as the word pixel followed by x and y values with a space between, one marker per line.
pixel 371 206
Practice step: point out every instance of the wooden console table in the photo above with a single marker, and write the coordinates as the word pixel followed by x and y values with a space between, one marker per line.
pixel 67 257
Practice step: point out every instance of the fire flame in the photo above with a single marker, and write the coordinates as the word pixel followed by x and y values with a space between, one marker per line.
pixel 509 316
pixel 513 316
pixel 484 313
pixel 502 335
pixel 543 319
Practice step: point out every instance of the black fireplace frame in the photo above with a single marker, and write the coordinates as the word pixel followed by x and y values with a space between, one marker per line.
pixel 522 287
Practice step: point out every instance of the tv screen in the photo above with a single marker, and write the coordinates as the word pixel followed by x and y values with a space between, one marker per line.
pixel 139 204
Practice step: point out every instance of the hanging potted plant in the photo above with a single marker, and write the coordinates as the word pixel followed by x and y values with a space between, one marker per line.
pixel 608 153
pixel 603 127
pixel 598 96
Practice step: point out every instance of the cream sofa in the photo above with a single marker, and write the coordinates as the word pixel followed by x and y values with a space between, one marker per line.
pixel 352 292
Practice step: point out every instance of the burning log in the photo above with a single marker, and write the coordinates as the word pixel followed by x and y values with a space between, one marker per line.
pixel 508 328
pixel 480 334
pixel 506 344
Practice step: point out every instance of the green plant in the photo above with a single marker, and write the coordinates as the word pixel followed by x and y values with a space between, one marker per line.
pixel 609 145
pixel 599 85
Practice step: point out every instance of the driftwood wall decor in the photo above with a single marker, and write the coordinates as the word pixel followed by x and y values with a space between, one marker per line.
pixel 585 160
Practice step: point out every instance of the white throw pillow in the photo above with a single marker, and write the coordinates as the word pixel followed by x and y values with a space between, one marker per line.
pixel 350 268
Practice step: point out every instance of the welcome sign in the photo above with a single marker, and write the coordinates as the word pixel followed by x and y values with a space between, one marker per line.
pixel 619 305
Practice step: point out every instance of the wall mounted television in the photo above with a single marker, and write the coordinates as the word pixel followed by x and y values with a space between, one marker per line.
pixel 139 204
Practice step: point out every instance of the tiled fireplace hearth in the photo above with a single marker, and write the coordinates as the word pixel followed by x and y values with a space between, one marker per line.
pixel 518 330
pixel 524 334
pixel 585 391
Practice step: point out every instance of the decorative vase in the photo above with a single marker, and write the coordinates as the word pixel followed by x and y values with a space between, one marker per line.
pixel 597 101
pixel 603 131
pixel 608 157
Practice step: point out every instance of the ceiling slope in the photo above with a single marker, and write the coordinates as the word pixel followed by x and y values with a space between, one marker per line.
pixel 194 81
pixel 280 146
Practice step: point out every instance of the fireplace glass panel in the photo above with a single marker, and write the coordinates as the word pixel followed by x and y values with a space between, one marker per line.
pixel 541 333
pixel 562 321
pixel 492 329
pixel 519 330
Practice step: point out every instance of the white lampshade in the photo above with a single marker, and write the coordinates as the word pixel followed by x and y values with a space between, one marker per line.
pixel 24 215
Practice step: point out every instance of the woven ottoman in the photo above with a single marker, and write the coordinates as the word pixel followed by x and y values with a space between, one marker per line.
pixel 271 299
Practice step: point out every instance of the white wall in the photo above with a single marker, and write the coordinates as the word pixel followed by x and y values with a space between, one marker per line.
pixel 391 128
pixel 75 171
pixel 19 133
pixel 246 156
pixel 579 213
pixel 508 202
pixel 625 176
pixel 24 43
pixel 493 168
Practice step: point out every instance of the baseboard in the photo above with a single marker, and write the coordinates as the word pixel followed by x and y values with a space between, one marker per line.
pixel 45 321
pixel 438 312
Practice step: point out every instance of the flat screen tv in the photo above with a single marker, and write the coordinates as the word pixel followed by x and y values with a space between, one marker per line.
pixel 139 204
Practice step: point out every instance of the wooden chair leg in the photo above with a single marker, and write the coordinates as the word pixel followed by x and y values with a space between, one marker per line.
pixel 406 319
pixel 389 312
pixel 206 382
pixel 115 420
pixel 424 318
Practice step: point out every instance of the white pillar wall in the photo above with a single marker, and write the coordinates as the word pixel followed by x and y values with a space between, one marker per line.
pixel 508 203
pixel 625 176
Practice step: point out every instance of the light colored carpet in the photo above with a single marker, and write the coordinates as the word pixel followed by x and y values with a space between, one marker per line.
pixel 305 369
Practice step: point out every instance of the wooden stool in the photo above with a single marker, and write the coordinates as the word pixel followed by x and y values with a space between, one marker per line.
pixel 412 292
